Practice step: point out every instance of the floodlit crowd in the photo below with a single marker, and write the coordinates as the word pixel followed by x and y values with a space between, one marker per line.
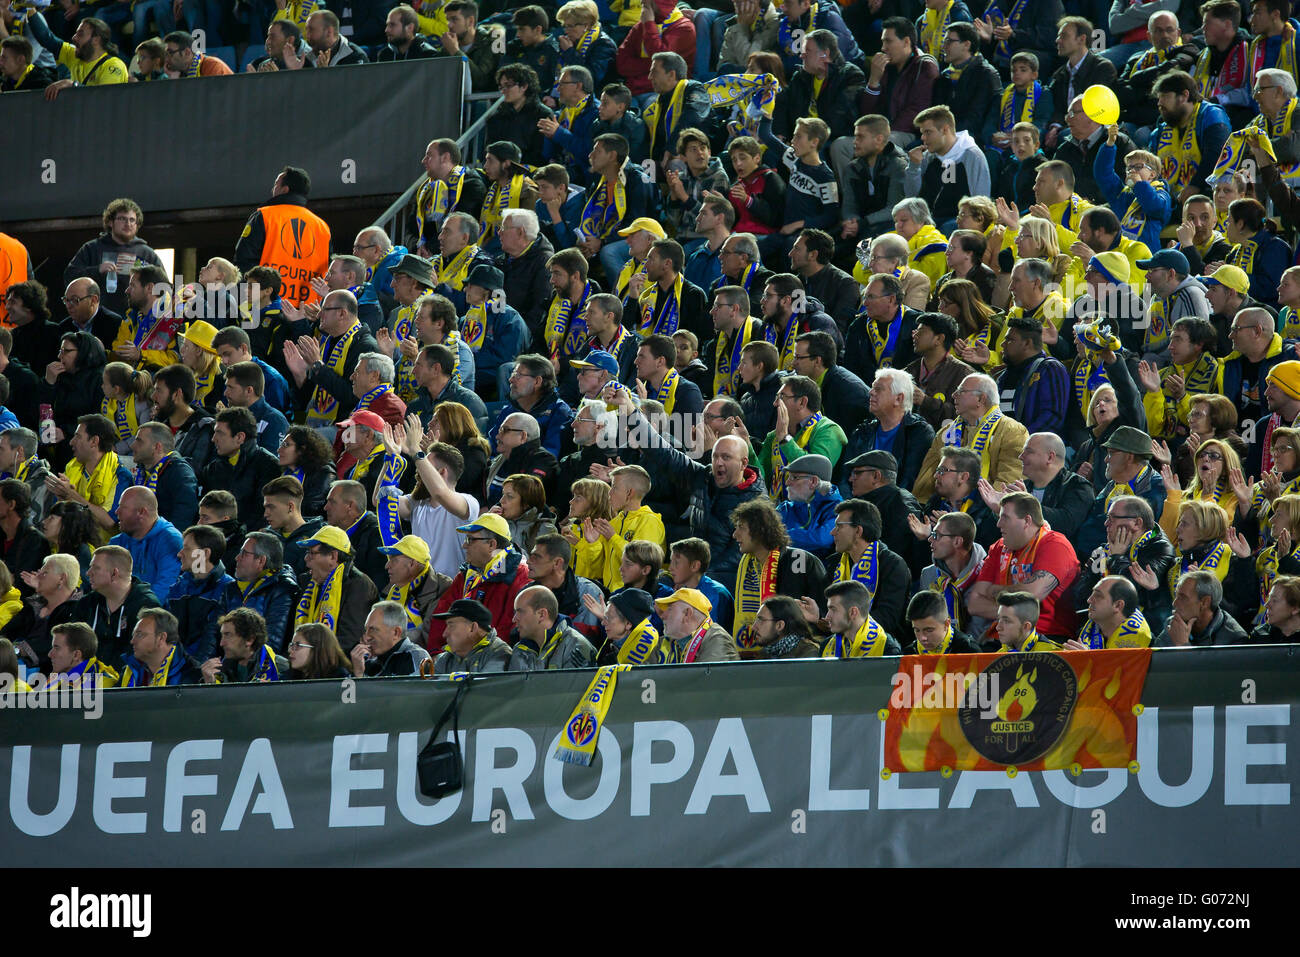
pixel 769 332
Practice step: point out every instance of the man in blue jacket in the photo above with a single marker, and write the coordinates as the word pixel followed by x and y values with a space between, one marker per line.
pixel 154 543
pixel 569 134
pixel 198 596
pixel 233 345
pixel 166 473
pixel 532 390
pixel 493 329
pixel 1143 203
pixel 808 512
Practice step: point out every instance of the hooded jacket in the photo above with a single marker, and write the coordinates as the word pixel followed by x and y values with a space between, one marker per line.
pixel 154 556
pixel 497 592
pixel 85 265
pixel 197 603
pixel 253 467
pixel 114 629
pixel 809 523
pixel 552 414
pixel 272 597
pixel 943 181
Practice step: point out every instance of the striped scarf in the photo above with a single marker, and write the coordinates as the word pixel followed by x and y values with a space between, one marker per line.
pixel 407 595
pixel 755 584
pixel 324 407
pixel 123 414
pixel 320 602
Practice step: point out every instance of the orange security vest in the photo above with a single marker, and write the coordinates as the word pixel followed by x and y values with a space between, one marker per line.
pixel 13 269
pixel 298 245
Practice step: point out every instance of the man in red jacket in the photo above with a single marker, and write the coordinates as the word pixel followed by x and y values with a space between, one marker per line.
pixel 901 81
pixel 494 573
pixel 662 28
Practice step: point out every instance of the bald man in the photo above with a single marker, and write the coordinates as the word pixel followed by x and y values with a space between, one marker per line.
pixel 154 542
pixel 86 311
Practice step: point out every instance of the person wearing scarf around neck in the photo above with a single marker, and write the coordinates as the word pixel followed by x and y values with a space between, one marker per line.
pixel 568 135
pixel 321 367
pixel 473 644
pixel 861 556
pixel 246 656
pixel 94 477
pixel 72 658
pixel 982 426
pixel 1128 472
pixel 336 593
pixel 1114 618
pixel 1017 614
pixel 492 328
pixel 661 28
pixel 1189 136
pixel 493 574
pixel 801 428
pixel 781 632
pixel 459 252
pixel 180 57
pixel 452 188
pixel 1203 545
pixel 936 633
pixel 690 633
pixel 240 465
pixel 264 580
pixel 854 632
pixel 156 658
pixel 546 640
pixel 583 42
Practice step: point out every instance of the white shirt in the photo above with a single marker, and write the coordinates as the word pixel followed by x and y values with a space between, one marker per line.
pixel 437 527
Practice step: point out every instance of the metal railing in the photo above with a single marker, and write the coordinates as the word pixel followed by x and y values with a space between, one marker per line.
pixel 394 219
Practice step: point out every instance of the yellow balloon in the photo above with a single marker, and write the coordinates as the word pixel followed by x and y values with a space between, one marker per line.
pixel 1101 105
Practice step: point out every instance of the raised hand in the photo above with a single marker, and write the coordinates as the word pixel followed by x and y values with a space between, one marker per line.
pixel 1171 480
pixel 1148 376
pixel 1160 452
pixel 1240 487
pixel 1143 577
pixel 920 526
pixel 1237 542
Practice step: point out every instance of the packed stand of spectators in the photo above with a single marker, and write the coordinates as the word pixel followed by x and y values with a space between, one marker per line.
pixel 787 331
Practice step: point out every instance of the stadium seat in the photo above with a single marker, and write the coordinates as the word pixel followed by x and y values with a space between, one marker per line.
pixel 225 54
pixel 251 53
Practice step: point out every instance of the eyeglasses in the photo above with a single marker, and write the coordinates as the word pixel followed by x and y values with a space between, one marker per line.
pixel 846 525
pixel 71 301
pixel 887 295
pixel 299 644
pixel 365 246
pixel 66 349
pixel 1135 168
pixel 944 470
pixel 935 535
pixel 124 218
pixel 804 356
pixel 510 428
pixel 1211 456
pixel 325 309
pixel 479 538
pixel 1260 89
pixel 1233 329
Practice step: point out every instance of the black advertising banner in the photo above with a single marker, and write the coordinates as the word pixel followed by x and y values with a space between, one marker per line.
pixel 738 764
pixel 220 141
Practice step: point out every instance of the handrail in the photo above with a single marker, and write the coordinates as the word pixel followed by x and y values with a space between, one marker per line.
pixel 388 218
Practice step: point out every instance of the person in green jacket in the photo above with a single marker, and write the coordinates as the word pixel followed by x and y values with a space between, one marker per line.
pixel 801 428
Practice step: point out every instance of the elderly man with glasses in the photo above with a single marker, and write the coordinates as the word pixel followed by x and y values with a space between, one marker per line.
pixel 1133 537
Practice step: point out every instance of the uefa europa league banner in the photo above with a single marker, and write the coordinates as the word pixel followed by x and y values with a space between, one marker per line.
pixel 220 141
pixel 741 763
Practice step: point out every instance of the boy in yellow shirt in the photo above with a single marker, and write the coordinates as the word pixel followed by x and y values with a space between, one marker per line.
pixel 632 520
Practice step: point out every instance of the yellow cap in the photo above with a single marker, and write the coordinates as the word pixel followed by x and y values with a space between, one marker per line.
pixel 491 522
pixel 331 536
pixel 692 596
pixel 201 334
pixel 644 222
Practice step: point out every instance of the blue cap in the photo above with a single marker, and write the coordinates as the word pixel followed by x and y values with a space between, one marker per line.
pixel 597 359
pixel 1167 259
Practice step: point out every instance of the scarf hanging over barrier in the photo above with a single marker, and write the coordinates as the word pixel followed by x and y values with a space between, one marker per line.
pixel 577 743
pixel 755 584
pixel 324 407
pixel 320 602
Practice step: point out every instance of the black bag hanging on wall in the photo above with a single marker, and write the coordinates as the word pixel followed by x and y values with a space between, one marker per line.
pixel 440 765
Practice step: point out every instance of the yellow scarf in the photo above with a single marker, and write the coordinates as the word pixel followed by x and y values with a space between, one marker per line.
pixel 99 486
pixel 785 347
pixel 403 328
pixel 204 381
pixel 497 201
pixel 123 414
pixel 1243 255
pixel 1028 106
pixel 577 743
pixel 866 569
pixel 1216 560
pixel 436 199
pixel 1068 212
pixel 869 642
pixel 455 271
pixel 672 17
pixel 754 585
pixel 320 603
pixel 588 38
pixel 641 645
pixel 362 468
pixel 474 578
pixel 671 116
pixel 982 440
pixel 669 316
pixel 473 327
pixel 666 394
pixel 406 595
pixel 324 407
pixel 1181 154
pixel 1120 489
pixel 596 220
pixel 934 29
pixel 570 113
pixel 943 645
pixel 1286 55
pixel 633 267
pixel 566 323
pixel 726 365
pixel 778 457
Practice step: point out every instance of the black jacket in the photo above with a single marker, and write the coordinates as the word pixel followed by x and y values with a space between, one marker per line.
pixel 114 630
pixel 103 326
pixel 1133 87
pixel 757 408
pixel 860 357
pixel 275 598
pixel 1223 629
pixel 38 79
pixel 520 127
pixel 73 395
pixel 1081 158
pixel 1067 500
pixel 194 439
pixel 36 344
pixel 366 555
pixel 85 264
pixel 528 284
pixel 837 104
pixel 975 97
pixel 910 445
pixel 419 49
pixel 577 465
pixel 844 397
pixel 961 644
pixel 756 286
pixel 315 486
pixel 339 386
pixel 254 468
pixel 24 393
pixel 876 188
pixel 359 596
pixel 838 292
pixel 399 661
pixel 526 459
pixel 26 552
pixel 1156 555
pixel 895 506
pixel 1094 70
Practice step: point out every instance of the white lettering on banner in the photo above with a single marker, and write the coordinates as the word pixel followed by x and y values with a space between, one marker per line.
pixel 820 795
pixel 1199 775
pixel 1071 792
pixel 408 784
pixel 259 768
pixel 895 797
pixel 20 808
pixel 729 739
pixel 645 772
pixel 971 782
pixel 344 779
pixel 180 785
pixel 76 910
pixel 108 787
pixel 610 761
pixel 510 779
pixel 1239 755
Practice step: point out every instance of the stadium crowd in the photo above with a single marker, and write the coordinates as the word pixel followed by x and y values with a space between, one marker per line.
pixel 769 332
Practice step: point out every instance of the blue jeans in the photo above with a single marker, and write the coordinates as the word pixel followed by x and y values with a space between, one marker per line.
pixel 205 15
pixel 706 23
pixel 161 11
pixel 613 257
